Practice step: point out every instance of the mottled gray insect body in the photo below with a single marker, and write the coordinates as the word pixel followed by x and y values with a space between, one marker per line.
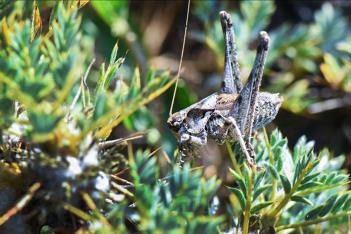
pixel 234 112
pixel 267 108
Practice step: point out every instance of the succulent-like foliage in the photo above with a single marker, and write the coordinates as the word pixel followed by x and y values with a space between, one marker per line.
pixel 291 189
pixel 176 203
pixel 53 126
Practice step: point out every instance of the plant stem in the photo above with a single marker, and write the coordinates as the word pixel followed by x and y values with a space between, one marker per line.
pixel 271 161
pixel 248 204
pixel 311 222
pixel 320 189
pixel 232 158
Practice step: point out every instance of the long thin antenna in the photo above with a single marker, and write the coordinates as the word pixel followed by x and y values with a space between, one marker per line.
pixel 181 59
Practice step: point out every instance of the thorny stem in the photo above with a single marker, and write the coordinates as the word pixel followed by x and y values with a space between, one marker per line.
pixel 246 220
pixel 315 221
pixel 271 161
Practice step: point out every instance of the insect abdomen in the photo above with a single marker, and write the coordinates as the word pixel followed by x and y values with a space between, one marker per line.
pixel 266 108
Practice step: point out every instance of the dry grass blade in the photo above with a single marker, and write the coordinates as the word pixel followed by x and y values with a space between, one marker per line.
pixel 91 204
pixel 36 21
pixel 106 144
pixel 121 180
pixel 154 152
pixel 122 189
pixel 166 157
pixel 77 212
pixel 181 59
pixel 21 203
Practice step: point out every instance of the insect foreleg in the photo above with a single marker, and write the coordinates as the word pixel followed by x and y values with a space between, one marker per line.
pixel 189 144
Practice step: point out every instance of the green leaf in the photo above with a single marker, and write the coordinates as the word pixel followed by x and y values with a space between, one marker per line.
pixel 111 11
pixel 114 54
pixel 144 169
pixel 272 170
pixel 43 123
pixel 298 169
pixel 246 174
pixel 286 183
pixel 258 178
pixel 310 177
pixel 347 205
pixel 260 190
pixel 135 83
pixel 260 206
pixel 338 204
pixel 328 205
pixel 201 224
pixel 338 179
pixel 235 174
pixel 7 110
pixel 302 147
pixel 256 15
pixel 279 162
pixel 309 185
pixel 239 194
pixel 240 181
pixel 312 214
pixel 302 200
pixel 102 105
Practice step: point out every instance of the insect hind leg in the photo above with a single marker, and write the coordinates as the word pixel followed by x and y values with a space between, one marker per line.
pixel 245 145
pixel 231 78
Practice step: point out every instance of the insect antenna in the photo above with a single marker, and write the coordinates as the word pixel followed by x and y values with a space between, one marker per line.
pixel 181 59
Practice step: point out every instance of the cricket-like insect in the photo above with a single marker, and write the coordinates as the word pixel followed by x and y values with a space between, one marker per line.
pixel 234 112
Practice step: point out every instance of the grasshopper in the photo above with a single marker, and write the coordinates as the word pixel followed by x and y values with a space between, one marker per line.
pixel 235 111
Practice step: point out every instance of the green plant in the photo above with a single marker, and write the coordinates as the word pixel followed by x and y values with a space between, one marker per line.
pixel 53 125
pixel 291 189
pixel 177 203
pixel 62 170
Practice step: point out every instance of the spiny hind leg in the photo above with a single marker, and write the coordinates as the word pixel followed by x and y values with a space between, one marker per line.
pixel 231 78
pixel 248 95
